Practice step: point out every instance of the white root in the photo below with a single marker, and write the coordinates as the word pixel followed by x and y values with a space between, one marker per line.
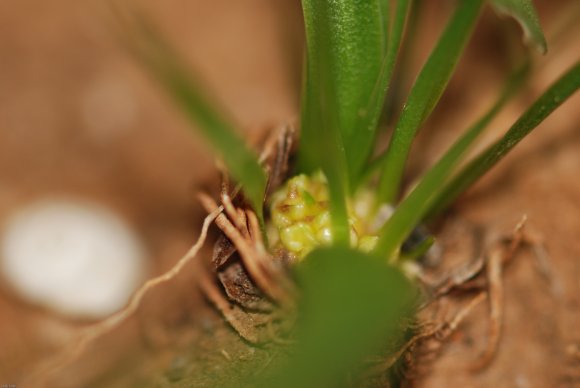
pixel 77 346
pixel 250 256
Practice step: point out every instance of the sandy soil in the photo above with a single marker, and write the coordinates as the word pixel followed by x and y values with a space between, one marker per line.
pixel 131 151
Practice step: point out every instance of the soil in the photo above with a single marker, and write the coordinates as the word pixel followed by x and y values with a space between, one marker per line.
pixel 132 151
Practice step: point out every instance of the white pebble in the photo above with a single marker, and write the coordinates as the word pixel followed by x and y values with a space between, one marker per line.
pixel 74 257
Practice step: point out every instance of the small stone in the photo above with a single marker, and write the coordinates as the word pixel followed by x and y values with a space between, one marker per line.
pixel 74 257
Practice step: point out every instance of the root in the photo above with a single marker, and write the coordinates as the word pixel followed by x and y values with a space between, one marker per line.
pixel 496 303
pixel 498 256
pixel 236 216
pixel 483 273
pixel 255 261
pixel 439 332
pixel 463 313
pixel 281 280
pixel 238 225
pixel 76 347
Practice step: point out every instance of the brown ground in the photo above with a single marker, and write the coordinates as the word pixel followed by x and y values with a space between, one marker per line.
pixel 134 153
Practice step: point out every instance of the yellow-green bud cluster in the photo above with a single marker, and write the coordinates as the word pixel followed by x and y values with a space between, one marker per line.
pixel 300 217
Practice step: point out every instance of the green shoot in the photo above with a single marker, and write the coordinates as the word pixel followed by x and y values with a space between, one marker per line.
pixel 352 36
pixel 559 92
pixel 425 94
pixel 169 70
pixel 412 209
pixel 364 135
pixel 345 43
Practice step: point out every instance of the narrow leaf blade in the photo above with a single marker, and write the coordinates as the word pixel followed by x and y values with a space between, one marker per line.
pixel 555 96
pixel 168 69
pixel 346 41
pixel 425 94
pixel 363 137
pixel 339 35
pixel 412 209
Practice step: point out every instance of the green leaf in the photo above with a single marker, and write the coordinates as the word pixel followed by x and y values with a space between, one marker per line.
pixel 168 68
pixel 329 156
pixel 524 12
pixel 425 94
pixel 362 139
pixel 352 305
pixel 346 41
pixel 413 208
pixel 559 92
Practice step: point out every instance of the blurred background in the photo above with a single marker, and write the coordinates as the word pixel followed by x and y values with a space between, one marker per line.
pixel 98 175
pixel 93 157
